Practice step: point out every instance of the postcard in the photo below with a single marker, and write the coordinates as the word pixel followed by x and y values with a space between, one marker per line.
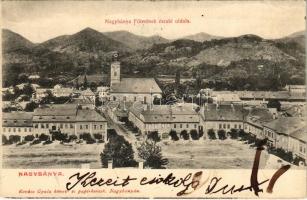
pixel 153 99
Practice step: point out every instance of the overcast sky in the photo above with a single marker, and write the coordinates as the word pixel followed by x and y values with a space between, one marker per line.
pixel 40 21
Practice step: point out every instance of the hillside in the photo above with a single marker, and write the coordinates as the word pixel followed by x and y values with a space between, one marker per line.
pixel 12 41
pixel 87 40
pixel 135 41
pixel 65 57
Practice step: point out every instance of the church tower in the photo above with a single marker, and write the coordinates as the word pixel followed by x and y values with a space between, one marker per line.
pixel 115 72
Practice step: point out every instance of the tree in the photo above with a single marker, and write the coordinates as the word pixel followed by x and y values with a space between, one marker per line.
pixel 174 135
pixel 221 134
pixel 211 134
pixel 29 138
pixel 154 136
pixel 184 134
pixel 85 84
pixel 31 106
pixel 233 133
pixel 152 154
pixel 274 104
pixel 119 151
pixel 194 134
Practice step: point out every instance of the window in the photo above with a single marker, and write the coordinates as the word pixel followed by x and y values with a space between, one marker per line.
pixel 66 125
pixel 180 125
pixel 187 125
pixel 195 125
pixel 47 125
pixel 101 127
pixel 4 129
pixel 220 126
pixel 224 126
pixel 235 126
pixel 19 129
pixel 26 129
pixel 71 126
pixel 14 130
pixel 134 98
pixel 125 98
pixel 30 129
pixel 9 130
pixel 174 125
pixel 95 126
pixel 86 126
pixel 240 126
pixel 61 125
pixel 80 126
pixel 228 126
pixel 145 99
pixel 42 126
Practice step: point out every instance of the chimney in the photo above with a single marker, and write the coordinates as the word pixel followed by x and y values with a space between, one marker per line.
pixel 110 164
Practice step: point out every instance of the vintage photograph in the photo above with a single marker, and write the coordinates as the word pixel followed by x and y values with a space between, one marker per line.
pixel 171 85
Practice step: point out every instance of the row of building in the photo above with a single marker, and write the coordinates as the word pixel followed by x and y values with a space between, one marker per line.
pixel 70 119
pixel 288 133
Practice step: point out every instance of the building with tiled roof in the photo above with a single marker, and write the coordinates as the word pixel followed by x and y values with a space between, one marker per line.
pixel 68 118
pixel 256 118
pixel 226 117
pixel 17 123
pixel 132 89
pixel 163 118
pixel 298 143
pixel 279 130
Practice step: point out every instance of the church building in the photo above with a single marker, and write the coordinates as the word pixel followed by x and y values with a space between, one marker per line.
pixel 132 89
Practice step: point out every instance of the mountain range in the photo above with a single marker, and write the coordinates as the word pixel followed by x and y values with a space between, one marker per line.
pixel 90 50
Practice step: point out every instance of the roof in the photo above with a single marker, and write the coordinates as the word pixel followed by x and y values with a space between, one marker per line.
pixel 263 94
pixel 89 115
pixel 233 97
pixel 296 111
pixel 91 78
pixel 259 116
pixel 80 101
pixel 136 85
pixel 17 119
pixel 214 112
pixel 296 86
pixel 300 134
pixel 286 125
pixel 87 92
pixel 56 110
pixel 166 114
pixel 65 113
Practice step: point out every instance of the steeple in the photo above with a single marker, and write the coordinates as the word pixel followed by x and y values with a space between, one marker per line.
pixel 115 70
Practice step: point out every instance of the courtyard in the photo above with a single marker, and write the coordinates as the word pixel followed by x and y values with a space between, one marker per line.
pixel 54 155
pixel 211 154
pixel 199 154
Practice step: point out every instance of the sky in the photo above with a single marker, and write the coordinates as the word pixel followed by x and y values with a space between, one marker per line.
pixel 39 21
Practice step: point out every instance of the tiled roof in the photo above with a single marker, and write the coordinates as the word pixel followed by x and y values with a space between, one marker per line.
pixel 166 114
pixel 300 134
pixel 259 116
pixel 263 94
pixel 89 115
pixel 65 113
pixel 136 85
pixel 213 112
pixel 56 110
pixel 80 101
pixel 286 125
pixel 87 92
pixel 17 119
